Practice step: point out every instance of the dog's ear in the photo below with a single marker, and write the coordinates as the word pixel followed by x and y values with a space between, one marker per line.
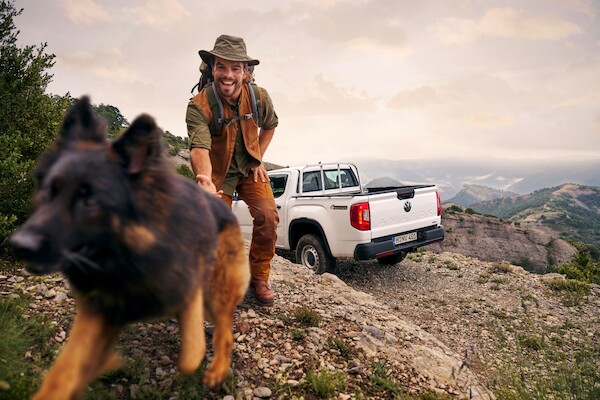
pixel 82 124
pixel 139 144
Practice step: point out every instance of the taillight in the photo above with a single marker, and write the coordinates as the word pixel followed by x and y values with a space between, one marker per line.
pixel 360 216
pixel 439 204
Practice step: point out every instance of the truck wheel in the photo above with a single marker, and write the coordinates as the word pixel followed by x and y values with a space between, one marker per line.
pixel 311 253
pixel 391 260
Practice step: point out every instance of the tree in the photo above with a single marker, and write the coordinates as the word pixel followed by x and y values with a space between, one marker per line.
pixel 116 120
pixel 28 116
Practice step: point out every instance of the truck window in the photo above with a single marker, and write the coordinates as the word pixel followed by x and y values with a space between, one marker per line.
pixel 311 181
pixel 278 184
pixel 348 179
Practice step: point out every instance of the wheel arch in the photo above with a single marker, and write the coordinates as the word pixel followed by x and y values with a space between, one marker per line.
pixel 302 226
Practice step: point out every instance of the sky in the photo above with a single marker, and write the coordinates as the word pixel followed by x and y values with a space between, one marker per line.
pixel 349 79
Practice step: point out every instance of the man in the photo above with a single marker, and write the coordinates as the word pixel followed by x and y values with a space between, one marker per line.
pixel 230 157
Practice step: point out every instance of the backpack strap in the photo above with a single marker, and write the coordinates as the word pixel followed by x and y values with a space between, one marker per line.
pixel 256 103
pixel 216 107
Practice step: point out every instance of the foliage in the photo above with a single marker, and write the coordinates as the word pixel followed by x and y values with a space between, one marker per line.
pixel 29 119
pixel 571 212
pixel 184 170
pixel 116 121
pixel 526 263
pixel 175 143
pixel 307 316
pixel 382 382
pixel 326 383
pixel 18 335
pixel 582 267
pixel 453 209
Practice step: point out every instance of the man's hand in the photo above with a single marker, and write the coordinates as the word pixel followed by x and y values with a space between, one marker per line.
pixel 260 172
pixel 206 183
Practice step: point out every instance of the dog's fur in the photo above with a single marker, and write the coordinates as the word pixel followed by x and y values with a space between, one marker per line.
pixel 136 242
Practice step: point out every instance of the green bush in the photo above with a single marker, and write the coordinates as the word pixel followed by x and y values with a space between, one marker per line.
pixel 453 209
pixel 582 267
pixel 29 119
pixel 186 171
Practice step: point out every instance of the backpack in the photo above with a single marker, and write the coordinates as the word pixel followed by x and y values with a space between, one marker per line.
pixel 206 81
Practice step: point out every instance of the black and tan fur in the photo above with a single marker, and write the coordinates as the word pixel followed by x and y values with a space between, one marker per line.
pixel 136 242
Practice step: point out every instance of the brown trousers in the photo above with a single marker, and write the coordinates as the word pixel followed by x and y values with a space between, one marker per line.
pixel 259 198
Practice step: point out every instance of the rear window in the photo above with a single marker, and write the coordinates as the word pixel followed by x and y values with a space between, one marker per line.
pixel 311 181
pixel 333 178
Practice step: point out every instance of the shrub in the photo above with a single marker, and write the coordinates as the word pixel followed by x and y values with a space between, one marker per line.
pixel 582 267
pixel 184 170
pixel 307 317
pixel 29 119
pixel 326 383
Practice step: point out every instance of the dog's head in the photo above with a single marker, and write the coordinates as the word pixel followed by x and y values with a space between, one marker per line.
pixel 84 188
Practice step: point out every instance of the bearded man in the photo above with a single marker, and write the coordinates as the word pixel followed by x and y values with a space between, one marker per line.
pixel 227 150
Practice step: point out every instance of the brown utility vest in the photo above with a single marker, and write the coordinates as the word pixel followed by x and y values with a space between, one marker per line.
pixel 223 143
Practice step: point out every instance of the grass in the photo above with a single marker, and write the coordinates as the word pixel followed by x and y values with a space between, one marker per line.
pixel 307 317
pixel 19 337
pixel 342 346
pixel 501 268
pixel 544 366
pixel 325 383
pixel 572 292
pixel 382 382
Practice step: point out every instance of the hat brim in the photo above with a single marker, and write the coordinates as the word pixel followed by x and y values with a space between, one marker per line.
pixel 208 56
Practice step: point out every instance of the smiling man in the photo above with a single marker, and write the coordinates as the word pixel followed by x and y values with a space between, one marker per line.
pixel 230 123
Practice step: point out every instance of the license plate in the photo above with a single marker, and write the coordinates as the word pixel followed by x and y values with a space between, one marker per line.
pixel 409 237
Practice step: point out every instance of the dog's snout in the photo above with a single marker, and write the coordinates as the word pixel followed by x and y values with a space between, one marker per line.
pixel 26 243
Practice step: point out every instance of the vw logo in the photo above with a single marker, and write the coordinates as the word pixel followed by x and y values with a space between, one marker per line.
pixel 407 206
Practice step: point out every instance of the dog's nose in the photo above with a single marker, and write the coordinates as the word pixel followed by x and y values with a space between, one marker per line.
pixel 27 245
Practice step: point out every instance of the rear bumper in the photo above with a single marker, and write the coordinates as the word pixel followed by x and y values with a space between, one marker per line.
pixel 369 251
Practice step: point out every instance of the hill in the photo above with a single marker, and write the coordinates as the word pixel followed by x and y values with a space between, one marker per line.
pixel 571 210
pixel 491 239
pixel 471 194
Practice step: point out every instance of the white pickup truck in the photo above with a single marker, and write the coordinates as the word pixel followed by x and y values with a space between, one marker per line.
pixel 325 213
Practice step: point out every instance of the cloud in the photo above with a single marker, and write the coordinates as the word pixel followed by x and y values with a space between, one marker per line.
pixel 505 23
pixel 159 13
pixel 419 97
pixel 485 120
pixel 85 12
pixel 107 63
pixel 327 98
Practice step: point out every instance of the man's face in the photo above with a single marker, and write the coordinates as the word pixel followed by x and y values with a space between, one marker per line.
pixel 229 76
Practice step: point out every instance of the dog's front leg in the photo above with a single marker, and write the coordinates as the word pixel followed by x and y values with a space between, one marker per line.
pixel 193 343
pixel 87 352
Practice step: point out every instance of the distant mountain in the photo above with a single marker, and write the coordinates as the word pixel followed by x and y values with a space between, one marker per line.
pixel 471 194
pixel 450 175
pixel 570 209
pixel 383 182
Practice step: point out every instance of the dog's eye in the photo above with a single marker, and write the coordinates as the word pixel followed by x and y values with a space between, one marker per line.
pixel 87 196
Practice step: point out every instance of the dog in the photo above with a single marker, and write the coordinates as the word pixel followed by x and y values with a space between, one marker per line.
pixel 136 241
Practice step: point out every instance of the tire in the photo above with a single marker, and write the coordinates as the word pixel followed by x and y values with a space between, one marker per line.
pixel 391 260
pixel 311 252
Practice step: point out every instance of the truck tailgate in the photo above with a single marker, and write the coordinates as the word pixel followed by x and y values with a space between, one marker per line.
pixel 403 210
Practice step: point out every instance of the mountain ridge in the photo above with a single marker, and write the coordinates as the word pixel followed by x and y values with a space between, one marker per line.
pixel 572 210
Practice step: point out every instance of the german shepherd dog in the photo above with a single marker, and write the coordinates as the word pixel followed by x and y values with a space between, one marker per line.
pixel 136 241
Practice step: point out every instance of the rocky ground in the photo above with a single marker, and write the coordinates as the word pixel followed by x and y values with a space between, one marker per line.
pixel 437 325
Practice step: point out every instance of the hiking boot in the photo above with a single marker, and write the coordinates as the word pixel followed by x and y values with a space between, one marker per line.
pixel 262 292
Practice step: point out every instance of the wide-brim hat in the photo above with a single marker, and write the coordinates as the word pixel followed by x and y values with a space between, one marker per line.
pixel 230 48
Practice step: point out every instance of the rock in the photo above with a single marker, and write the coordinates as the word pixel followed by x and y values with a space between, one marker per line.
pixel 262 392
